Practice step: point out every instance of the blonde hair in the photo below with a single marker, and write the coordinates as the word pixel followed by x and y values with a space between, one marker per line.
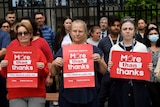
pixel 78 21
pixel 26 25
pixel 92 30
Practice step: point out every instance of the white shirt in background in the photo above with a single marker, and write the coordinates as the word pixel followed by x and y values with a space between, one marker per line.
pixel 66 40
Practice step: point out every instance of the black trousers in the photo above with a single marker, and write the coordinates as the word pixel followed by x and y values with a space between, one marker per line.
pixel 154 91
pixel 3 92
pixel 64 103
pixel 50 89
pixel 104 89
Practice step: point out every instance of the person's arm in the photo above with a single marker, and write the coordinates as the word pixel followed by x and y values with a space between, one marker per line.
pixel 101 62
pixel 3 52
pixel 46 50
pixel 3 66
pixel 5 42
pixel 57 65
pixel 42 64
pixel 157 70
pixel 102 66
pixel 49 79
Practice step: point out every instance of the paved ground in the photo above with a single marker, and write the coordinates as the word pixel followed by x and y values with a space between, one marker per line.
pixel 51 105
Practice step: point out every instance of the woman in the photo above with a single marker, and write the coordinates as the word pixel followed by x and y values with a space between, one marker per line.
pixel 39 42
pixel 127 92
pixel 5 40
pixel 78 97
pixel 5 26
pixel 63 37
pixel 42 44
pixel 27 97
pixel 94 38
pixel 152 41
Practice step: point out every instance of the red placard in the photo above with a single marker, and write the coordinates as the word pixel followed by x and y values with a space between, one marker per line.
pixel 130 65
pixel 22 70
pixel 78 66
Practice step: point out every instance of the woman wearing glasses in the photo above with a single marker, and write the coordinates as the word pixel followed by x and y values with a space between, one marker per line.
pixel 6 26
pixel 39 42
pixel 26 95
pixel 128 92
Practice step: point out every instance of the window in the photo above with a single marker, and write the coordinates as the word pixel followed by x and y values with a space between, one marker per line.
pixel 26 3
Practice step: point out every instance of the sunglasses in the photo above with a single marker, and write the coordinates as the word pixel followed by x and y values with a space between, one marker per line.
pixel 5 26
pixel 23 33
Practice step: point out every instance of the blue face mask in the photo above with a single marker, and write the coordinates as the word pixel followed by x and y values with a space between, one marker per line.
pixel 153 38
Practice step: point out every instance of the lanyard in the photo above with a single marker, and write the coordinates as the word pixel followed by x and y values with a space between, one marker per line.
pixel 125 47
pixel 130 81
pixel 112 40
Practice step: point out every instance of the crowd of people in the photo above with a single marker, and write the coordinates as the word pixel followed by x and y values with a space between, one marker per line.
pixel 80 59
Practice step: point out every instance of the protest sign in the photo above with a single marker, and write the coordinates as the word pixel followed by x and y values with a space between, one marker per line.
pixel 78 66
pixel 130 65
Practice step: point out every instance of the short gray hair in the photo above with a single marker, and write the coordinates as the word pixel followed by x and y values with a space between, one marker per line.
pixel 103 18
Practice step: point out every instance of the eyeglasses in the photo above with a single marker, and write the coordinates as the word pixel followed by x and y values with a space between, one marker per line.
pixel 5 26
pixel 23 33
pixel 39 18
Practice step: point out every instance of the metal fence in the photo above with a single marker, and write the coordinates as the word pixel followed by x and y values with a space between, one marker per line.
pixel 88 10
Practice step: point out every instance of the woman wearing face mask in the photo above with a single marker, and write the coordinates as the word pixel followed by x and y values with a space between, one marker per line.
pixel 152 41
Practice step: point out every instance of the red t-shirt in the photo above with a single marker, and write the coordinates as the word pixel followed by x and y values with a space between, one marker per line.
pixel 40 91
pixel 42 44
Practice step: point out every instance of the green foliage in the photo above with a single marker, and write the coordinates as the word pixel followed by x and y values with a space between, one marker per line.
pixel 141 2
pixel 147 9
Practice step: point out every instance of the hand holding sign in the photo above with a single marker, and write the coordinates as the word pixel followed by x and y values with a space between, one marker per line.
pixel 78 70
pixel 110 64
pixel 131 65
pixel 96 57
pixel 150 66
pixel 40 65
pixel 58 62
pixel 4 63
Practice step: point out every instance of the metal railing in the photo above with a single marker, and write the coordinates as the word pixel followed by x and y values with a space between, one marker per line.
pixel 89 12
